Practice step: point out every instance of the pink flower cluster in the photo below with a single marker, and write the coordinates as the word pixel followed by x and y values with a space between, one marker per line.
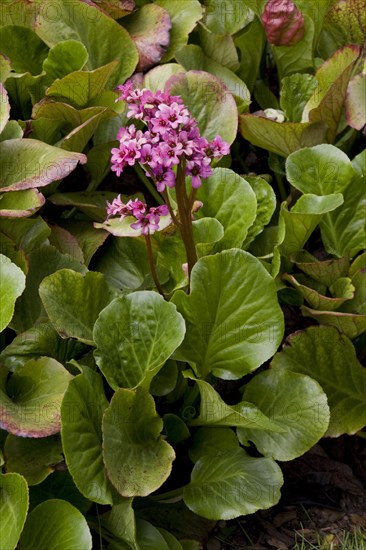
pixel 147 220
pixel 172 137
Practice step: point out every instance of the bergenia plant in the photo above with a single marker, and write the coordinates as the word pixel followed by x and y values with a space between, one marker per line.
pixel 169 148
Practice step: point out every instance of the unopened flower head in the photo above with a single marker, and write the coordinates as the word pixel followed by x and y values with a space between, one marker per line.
pixel 171 137
pixel 146 219
pixel 283 22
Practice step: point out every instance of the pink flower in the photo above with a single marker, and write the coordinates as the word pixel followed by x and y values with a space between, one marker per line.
pixel 146 221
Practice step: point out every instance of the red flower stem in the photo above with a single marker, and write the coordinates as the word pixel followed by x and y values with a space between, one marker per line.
pixel 185 216
pixel 171 212
pixel 152 265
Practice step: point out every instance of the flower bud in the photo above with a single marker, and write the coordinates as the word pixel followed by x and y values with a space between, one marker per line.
pixel 283 22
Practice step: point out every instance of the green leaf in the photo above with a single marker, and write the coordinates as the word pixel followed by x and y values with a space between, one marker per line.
pixel 355 105
pixel 294 402
pixel 36 391
pixel 156 78
pixel 208 101
pixel 219 48
pixel 42 261
pixel 146 331
pixel 295 92
pixel 12 284
pixel 298 223
pixel 66 243
pixel 231 485
pixel 240 325
pixel 358 304
pixel 326 103
pixel 227 18
pixel 326 272
pixel 81 87
pixel 250 43
pixel 124 263
pixel 282 138
pixel 344 230
pixel 92 203
pixel 103 37
pixel 230 199
pixel 5 67
pixel 122 228
pixel 12 130
pixel 183 17
pixel 87 238
pixel 19 204
pixel 215 412
pixel 192 57
pixel 329 357
pixel 350 324
pixel 64 58
pixel 149 29
pixel 13 508
pixel 59 485
pixel 345 24
pixel 40 164
pixel 120 522
pixel 320 170
pixel 165 381
pixel 32 458
pixel 73 302
pixel 137 459
pixel 206 233
pixel 82 410
pixel 298 57
pixel 55 525
pixel 212 441
pixel 24 48
pixel 41 340
pixel 317 300
pixel 175 428
pixel 4 108
pixel 266 205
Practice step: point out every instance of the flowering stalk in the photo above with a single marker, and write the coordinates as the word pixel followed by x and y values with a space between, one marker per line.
pixel 167 151
pixel 152 264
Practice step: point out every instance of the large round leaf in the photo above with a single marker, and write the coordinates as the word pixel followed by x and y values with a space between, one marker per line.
pixel 73 302
pixel 296 403
pixel 12 284
pixel 13 508
pixel 209 102
pixel 240 322
pixel 55 525
pixel 20 204
pixel 137 458
pixel 28 163
pixel 329 357
pixel 134 336
pixel 230 199
pixel 230 484
pixel 36 391
pixel 81 413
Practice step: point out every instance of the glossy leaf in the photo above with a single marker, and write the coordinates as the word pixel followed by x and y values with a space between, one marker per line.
pixel 82 410
pixel 230 199
pixel 294 402
pixel 227 18
pixel 317 300
pixel 208 101
pixel 73 302
pixel 232 485
pixel 295 92
pixel 41 164
pixel 63 58
pixel 329 357
pixel 19 204
pixel 212 441
pixel 104 39
pixel 266 205
pixel 12 284
pixel 13 507
pixel 240 325
pixel 183 17
pixel 282 138
pixel 136 457
pixel 36 391
pixel 349 324
pixel 24 48
pixel 55 525
pixel 135 335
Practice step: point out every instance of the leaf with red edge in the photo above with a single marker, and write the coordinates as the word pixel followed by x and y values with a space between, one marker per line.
pixel 30 402
pixel 27 163
pixel 355 102
pixel 149 28
pixel 20 204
